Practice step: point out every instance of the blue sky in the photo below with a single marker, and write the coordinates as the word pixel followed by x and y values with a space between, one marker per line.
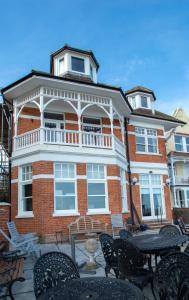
pixel 137 42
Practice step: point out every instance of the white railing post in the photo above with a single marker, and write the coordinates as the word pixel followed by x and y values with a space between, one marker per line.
pixel 41 115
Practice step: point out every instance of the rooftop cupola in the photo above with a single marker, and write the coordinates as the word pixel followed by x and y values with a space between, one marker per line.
pixel 74 63
pixel 141 97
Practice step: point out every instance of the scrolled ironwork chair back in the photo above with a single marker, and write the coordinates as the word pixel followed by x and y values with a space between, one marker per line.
pixel 110 258
pixel 172 277
pixel 130 260
pixel 124 234
pixel 51 269
pixel 169 230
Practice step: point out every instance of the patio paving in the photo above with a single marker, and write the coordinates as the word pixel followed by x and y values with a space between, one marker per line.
pixel 23 291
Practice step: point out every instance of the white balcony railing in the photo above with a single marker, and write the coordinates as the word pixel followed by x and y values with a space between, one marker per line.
pixel 70 138
pixel 182 180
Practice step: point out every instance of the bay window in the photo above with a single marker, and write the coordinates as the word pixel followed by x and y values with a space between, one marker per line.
pixel 96 186
pixel 25 203
pixel 65 188
pixel 146 140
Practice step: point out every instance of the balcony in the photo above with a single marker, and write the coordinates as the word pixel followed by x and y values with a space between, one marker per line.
pixel 69 138
pixel 181 180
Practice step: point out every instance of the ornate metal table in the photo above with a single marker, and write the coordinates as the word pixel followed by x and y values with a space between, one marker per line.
pixel 155 243
pixel 93 288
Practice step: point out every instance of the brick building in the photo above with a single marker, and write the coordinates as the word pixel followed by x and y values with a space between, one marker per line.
pixel 85 148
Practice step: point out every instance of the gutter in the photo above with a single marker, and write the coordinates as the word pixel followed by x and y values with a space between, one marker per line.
pixel 126 121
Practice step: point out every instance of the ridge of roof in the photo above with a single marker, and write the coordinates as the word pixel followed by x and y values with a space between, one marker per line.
pixel 156 115
pixel 140 88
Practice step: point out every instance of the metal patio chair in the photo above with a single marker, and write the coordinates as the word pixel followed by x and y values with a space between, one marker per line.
pixel 125 234
pixel 172 277
pixel 183 227
pixel 169 230
pixel 110 258
pixel 53 268
pixel 131 264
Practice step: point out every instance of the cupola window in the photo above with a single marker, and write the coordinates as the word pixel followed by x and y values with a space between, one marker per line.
pixel 144 102
pixel 78 64
pixel 61 66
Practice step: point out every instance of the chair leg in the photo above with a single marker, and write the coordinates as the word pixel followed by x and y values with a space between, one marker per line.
pixel 152 288
pixel 107 270
pixel 116 271
pixel 21 279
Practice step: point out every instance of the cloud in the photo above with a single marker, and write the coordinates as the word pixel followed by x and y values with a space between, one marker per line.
pixel 127 69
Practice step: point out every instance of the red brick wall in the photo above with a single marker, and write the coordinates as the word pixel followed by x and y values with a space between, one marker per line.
pixel 25 125
pixel 4 218
pixel 160 158
pixel 44 223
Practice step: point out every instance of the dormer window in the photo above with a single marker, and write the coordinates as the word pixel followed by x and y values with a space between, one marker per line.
pixel 144 102
pixel 78 64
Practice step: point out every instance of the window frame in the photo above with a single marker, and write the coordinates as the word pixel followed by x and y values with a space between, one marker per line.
pixel 101 180
pixel 91 125
pixel 65 212
pixel 141 98
pixel 79 58
pixel 151 186
pixel 184 143
pixel 21 183
pixel 146 136
pixel 123 186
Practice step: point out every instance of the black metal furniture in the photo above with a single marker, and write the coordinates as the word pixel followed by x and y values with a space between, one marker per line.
pixel 170 230
pixel 172 277
pixel 96 288
pixel 186 250
pixel 110 258
pixel 183 228
pixel 11 268
pixel 156 243
pixel 131 264
pixel 124 234
pixel 51 269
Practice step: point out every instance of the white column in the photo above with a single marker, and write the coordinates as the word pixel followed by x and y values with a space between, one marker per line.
pixel 41 117
pixel 122 130
pixel 79 120
pixel 112 125
pixel 15 125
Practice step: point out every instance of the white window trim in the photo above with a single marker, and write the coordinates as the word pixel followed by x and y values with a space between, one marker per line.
pixel 146 136
pixel 68 212
pixel 123 183
pixel 21 213
pixel 57 122
pixel 104 180
pixel 146 100
pixel 92 125
pixel 150 187
pixel 79 57
pixel 184 144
